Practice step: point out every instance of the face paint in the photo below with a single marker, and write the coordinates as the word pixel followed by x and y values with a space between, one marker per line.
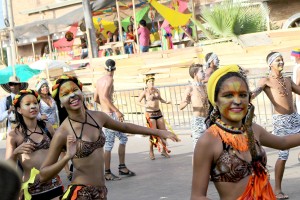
pixel 277 64
pixel 70 95
pixel 216 62
pixel 233 100
pixel 29 106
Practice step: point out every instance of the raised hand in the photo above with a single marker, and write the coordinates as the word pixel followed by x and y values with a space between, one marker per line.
pixel 71 146
pixel 24 148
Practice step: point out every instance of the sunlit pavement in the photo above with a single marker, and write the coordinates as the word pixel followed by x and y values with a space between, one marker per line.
pixel 170 179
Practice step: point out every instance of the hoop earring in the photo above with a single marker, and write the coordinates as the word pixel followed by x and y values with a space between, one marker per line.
pixel 214 115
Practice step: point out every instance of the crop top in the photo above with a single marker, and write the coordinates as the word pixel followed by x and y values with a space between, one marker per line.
pixel 86 148
pixel 230 168
pixel 44 144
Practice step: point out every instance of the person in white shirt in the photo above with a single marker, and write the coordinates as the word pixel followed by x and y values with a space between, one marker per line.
pixel 295 55
pixel 6 109
pixel 48 107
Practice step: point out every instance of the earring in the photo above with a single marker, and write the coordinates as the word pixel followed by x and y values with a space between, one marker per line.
pixel 214 115
pixel 61 106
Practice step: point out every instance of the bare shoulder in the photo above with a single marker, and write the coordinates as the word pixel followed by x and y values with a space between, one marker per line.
pixel 15 136
pixel 99 116
pixel 208 139
pixel 63 130
pixel 14 133
pixel 258 130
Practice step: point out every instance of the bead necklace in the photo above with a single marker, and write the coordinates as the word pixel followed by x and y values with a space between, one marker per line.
pixel 281 81
pixel 203 95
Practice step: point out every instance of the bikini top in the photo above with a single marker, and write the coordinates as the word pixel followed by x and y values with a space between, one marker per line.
pixel 230 168
pixel 152 96
pixel 86 148
pixel 44 144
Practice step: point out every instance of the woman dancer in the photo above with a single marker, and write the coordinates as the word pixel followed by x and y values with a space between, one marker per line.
pixel 154 116
pixel 234 158
pixel 81 134
pixel 29 143
pixel 49 112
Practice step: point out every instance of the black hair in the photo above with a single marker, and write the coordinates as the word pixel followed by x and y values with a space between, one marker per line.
pixel 110 65
pixel 62 112
pixel 194 68
pixel 207 56
pixel 40 89
pixel 20 120
pixel 269 55
pixel 10 181
pixel 143 23
pixel 208 121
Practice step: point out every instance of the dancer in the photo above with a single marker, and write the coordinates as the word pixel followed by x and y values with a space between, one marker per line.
pixel 103 96
pixel 212 64
pixel 234 158
pixel 29 143
pixel 49 112
pixel 82 137
pixel 279 90
pixel 196 95
pixel 154 116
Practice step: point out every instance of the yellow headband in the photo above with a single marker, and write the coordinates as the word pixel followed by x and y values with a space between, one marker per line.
pixel 215 77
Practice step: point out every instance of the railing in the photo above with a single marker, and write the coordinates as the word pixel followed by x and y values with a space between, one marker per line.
pixel 126 100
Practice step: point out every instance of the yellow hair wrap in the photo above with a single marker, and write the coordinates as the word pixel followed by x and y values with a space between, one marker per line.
pixel 33 173
pixel 215 77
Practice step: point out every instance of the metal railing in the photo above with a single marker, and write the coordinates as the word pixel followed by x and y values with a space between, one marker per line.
pixel 126 100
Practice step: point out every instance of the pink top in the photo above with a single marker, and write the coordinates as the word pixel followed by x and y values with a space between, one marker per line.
pixel 144 36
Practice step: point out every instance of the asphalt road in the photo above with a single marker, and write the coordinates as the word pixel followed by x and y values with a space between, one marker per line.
pixel 170 179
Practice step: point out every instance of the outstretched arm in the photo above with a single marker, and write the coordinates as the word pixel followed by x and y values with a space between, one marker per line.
pixel 162 100
pixel 276 142
pixel 186 98
pixel 135 129
pixel 261 86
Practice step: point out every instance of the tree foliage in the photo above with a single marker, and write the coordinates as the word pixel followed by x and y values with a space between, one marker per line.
pixel 232 18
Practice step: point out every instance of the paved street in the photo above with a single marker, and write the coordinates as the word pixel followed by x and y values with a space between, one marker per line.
pixel 171 178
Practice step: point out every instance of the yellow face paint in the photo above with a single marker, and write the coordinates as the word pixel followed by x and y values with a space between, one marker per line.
pixel 233 100
pixel 70 95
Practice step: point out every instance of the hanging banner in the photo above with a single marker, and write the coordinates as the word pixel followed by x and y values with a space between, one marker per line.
pixel 139 16
pixel 102 26
pixel 175 18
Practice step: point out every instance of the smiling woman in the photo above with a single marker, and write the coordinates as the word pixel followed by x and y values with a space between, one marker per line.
pixel 81 135
pixel 234 158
